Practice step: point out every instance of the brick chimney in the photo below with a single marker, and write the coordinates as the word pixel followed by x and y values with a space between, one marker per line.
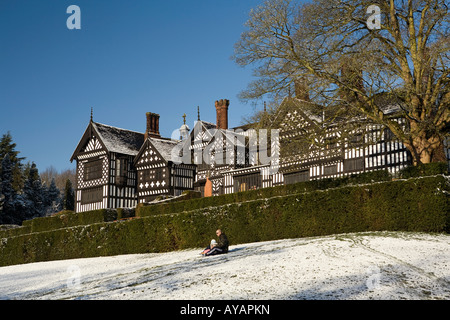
pixel 152 125
pixel 222 113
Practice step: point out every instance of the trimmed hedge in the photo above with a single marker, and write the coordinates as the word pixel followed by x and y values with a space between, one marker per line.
pixel 300 187
pixel 67 219
pixel 428 169
pixel 419 204
pixel 13 230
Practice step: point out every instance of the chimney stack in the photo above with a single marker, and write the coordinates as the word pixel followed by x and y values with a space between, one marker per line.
pixel 222 113
pixel 152 125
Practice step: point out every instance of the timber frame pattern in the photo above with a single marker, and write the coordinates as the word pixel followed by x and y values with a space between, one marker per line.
pixel 118 168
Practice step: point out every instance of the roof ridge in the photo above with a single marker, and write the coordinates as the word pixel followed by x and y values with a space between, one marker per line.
pixel 113 127
pixel 165 139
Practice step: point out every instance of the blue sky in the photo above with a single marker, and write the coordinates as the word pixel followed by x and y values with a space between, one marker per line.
pixel 129 58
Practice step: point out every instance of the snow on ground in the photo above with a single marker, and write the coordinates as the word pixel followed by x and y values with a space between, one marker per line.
pixel 381 265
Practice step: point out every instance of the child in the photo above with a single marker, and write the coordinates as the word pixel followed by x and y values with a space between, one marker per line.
pixel 208 248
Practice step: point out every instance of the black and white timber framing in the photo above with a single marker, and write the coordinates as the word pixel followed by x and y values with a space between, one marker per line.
pixel 355 155
pixel 158 174
pixel 374 149
pixel 119 168
pixel 215 151
pixel 105 175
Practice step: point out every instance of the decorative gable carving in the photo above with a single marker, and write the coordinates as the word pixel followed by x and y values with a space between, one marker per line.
pixel 92 145
pixel 149 157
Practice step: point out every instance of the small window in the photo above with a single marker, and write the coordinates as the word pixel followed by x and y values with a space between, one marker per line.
pixel 91 195
pixel 388 135
pixel 356 140
pixel 351 165
pixel 251 181
pixel 93 170
pixel 121 167
pixel 327 170
pixel 331 143
pixel 160 174
pixel 148 174
pixel 296 177
pixel 121 171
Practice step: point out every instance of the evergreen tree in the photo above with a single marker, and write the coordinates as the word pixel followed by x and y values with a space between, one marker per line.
pixel 53 198
pixel 7 147
pixel 33 195
pixel 69 196
pixel 8 195
pixel 1 198
pixel 23 196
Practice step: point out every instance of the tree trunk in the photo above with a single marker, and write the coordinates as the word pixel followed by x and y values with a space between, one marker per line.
pixel 426 149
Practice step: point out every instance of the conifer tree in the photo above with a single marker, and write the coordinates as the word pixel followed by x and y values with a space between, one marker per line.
pixel 33 195
pixel 69 196
pixel 53 198
pixel 7 147
pixel 8 195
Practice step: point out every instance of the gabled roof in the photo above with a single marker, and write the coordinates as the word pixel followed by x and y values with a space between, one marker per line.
pixel 209 131
pixel 112 139
pixel 388 104
pixel 294 104
pixel 120 140
pixel 163 147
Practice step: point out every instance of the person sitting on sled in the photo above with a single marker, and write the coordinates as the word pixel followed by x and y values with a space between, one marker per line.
pixel 208 248
pixel 220 247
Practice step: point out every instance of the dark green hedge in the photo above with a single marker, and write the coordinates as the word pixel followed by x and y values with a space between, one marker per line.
pixel 421 170
pixel 67 219
pixel 14 231
pixel 420 204
pixel 307 186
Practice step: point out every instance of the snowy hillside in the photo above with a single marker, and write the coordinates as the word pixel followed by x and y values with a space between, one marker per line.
pixel 383 265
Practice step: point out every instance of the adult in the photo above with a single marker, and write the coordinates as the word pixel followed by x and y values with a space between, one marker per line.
pixel 221 246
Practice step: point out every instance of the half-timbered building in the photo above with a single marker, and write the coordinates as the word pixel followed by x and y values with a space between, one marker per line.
pixel 105 174
pixel 119 168
pixel 157 173
pixel 374 149
pixel 216 149
pixel 369 149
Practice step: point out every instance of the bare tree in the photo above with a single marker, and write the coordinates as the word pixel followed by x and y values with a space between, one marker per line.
pixel 351 71
pixel 60 178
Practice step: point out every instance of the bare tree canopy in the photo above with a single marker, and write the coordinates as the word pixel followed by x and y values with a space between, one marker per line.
pixel 353 64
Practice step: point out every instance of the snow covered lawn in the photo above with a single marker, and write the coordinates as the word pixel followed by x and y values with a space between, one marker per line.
pixel 381 265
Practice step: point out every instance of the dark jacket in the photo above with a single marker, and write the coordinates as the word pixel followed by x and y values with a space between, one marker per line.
pixel 223 242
